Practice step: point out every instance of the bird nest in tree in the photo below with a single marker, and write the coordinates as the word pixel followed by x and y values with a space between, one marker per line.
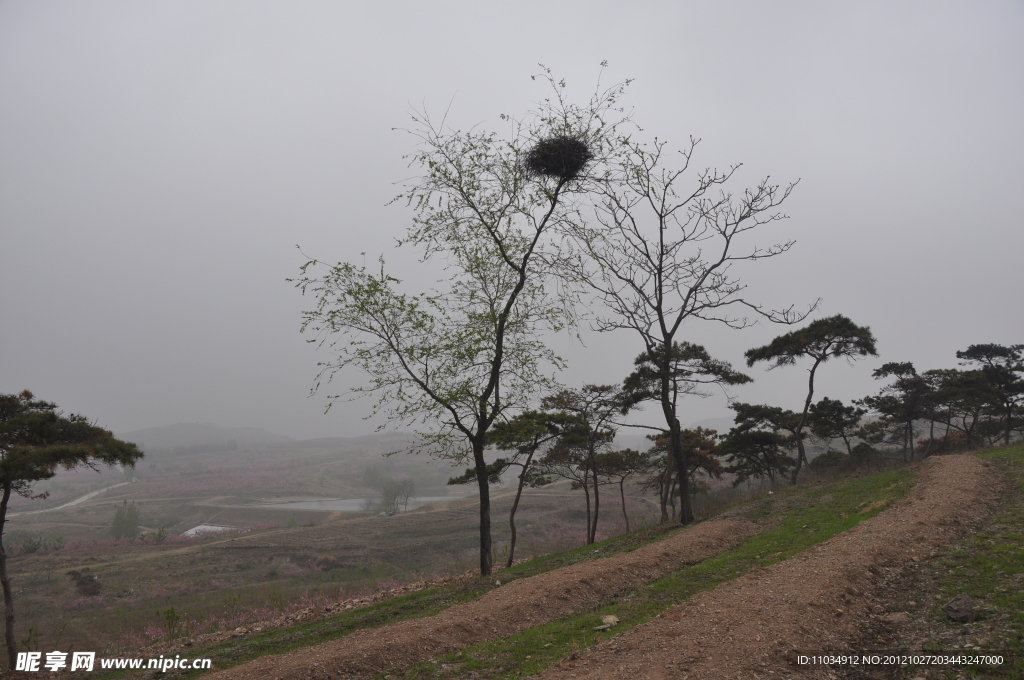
pixel 560 157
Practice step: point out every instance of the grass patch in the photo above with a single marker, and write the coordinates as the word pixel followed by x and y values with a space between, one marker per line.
pixel 811 514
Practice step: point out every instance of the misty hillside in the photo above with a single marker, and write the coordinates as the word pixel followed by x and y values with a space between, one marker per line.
pixel 200 434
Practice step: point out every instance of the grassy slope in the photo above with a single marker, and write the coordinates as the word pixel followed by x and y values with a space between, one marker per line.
pixel 799 517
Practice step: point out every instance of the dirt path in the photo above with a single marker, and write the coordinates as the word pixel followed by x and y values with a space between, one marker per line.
pixel 512 608
pixel 80 499
pixel 815 602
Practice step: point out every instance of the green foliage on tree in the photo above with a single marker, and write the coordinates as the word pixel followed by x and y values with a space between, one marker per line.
pixel 977 405
pixel 126 521
pixel 899 405
pixel 830 460
pixel 522 437
pixel 690 370
pixel 960 400
pixel 820 341
pixel 700 449
pixel 830 419
pixel 395 494
pixel 35 441
pixel 587 430
pixel 759 445
pixel 1002 367
pixel 452 361
pixel 863 455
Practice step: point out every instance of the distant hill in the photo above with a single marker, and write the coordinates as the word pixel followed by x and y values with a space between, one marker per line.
pixel 200 434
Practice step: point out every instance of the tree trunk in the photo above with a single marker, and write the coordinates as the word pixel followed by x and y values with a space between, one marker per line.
pixel 512 513
pixel 665 488
pixel 682 476
pixel 592 536
pixel 5 581
pixel 931 435
pixel 675 444
pixel 486 558
pixel 622 495
pixel 801 455
pixel 586 495
pixel 1009 424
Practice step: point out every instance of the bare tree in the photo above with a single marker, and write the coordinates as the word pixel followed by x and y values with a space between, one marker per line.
pixel 661 255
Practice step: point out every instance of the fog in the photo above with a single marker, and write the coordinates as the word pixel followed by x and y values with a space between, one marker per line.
pixel 159 163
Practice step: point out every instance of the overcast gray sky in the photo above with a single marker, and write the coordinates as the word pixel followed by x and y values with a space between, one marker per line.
pixel 160 161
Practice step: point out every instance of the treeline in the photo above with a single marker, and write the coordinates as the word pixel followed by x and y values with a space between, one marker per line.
pixel 395 494
pixel 912 415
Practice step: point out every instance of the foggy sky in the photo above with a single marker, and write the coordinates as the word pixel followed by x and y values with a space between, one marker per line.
pixel 159 162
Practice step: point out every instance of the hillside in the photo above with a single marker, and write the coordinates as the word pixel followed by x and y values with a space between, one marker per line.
pixel 824 564
pixel 200 434
pixel 760 619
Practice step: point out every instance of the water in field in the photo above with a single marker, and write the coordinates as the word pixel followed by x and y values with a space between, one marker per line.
pixel 352 504
pixel 209 529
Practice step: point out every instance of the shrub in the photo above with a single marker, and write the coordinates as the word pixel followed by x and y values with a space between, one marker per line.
pixel 830 460
pixel 864 454
pixel 31 543
pixel 171 623
pixel 87 584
